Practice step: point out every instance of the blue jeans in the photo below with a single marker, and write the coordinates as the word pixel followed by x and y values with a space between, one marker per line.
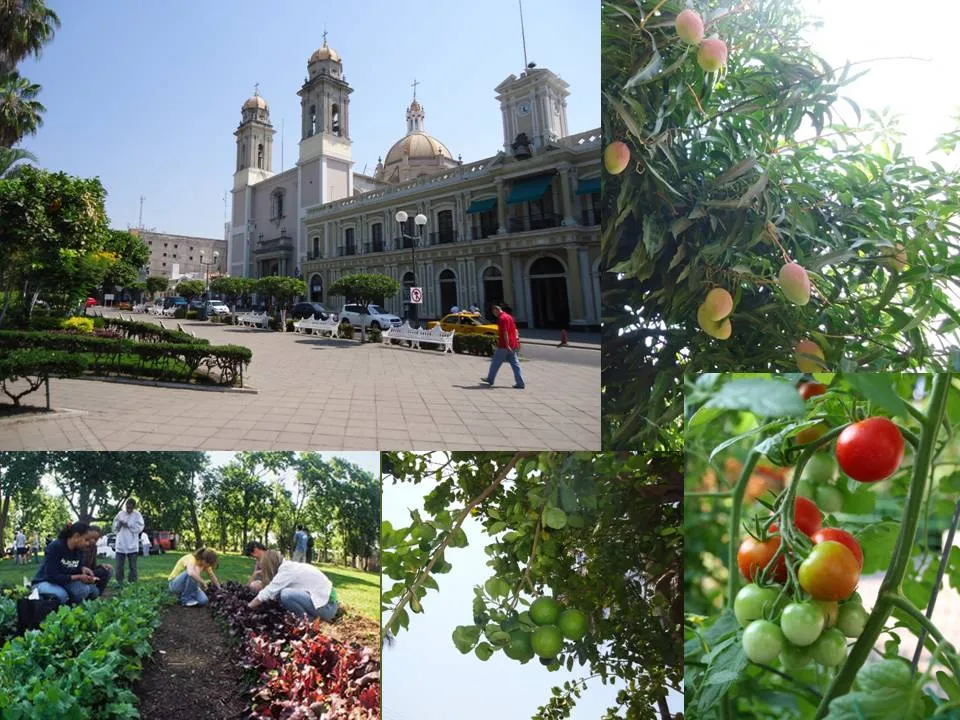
pixel 188 589
pixel 74 591
pixel 510 356
pixel 299 603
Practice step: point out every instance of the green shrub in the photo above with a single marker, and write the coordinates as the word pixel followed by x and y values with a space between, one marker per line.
pixel 474 344
pixel 150 332
pixel 192 314
pixel 346 329
pixel 374 335
pixel 40 322
pixel 180 313
pixel 290 327
pixel 36 366
pixel 78 324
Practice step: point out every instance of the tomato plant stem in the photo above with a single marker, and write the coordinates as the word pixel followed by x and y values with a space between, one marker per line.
pixel 737 495
pixel 949 656
pixel 890 587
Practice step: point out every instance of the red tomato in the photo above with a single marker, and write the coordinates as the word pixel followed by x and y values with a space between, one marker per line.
pixel 809 434
pixel 842 537
pixel 806 516
pixel 808 390
pixel 829 572
pixel 753 556
pixel 870 450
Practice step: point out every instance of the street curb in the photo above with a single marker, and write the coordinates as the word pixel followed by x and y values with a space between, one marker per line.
pixel 175 386
pixel 43 414
pixel 552 343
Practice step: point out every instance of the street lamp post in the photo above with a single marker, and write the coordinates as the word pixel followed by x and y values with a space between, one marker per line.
pixel 207 264
pixel 420 220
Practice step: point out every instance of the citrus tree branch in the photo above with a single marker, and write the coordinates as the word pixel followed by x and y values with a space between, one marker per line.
pixel 893 578
pixel 488 491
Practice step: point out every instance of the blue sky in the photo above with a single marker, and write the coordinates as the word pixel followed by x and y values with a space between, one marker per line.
pixel 425 676
pixel 146 95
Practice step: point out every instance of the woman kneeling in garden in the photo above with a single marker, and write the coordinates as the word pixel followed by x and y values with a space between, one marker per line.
pixel 185 579
pixel 62 574
pixel 301 588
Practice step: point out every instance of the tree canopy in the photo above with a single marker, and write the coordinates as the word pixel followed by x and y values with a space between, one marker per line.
pixel 365 289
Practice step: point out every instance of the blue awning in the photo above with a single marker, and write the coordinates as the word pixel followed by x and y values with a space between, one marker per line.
pixel 589 186
pixel 479 206
pixel 529 189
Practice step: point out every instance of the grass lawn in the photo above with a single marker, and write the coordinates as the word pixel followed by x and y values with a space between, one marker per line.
pixel 356 588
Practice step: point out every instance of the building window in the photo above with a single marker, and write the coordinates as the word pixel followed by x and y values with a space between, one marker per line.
pixel 348 236
pixel 335 119
pixel 191 257
pixel 448 291
pixel 376 237
pixel 316 247
pixel 260 157
pixel 276 205
pixel 312 129
pixel 445 232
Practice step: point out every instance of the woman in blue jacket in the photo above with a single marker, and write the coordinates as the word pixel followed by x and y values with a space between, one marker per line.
pixel 62 573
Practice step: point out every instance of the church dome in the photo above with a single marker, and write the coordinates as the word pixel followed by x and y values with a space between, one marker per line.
pixel 325 53
pixel 417 146
pixel 255 103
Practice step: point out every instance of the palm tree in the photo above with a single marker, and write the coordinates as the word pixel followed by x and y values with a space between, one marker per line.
pixel 9 157
pixel 19 109
pixel 25 27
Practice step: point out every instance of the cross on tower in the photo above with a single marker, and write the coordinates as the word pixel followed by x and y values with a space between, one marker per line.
pixel 324 35
pixel 256 89
pixel 414 86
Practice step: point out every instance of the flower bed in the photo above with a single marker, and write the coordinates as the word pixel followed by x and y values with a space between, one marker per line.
pixel 82 660
pixel 299 671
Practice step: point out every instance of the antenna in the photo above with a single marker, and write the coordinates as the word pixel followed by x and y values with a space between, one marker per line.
pixel 141 213
pixel 281 143
pixel 523 34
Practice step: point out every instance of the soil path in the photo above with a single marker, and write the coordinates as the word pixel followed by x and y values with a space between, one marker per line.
pixel 193 672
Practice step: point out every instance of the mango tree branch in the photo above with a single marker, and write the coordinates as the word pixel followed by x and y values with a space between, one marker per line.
pixel 890 587
pixel 425 573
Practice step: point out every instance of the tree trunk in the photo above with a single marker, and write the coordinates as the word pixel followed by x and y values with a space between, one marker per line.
pixel 664 710
pixel 4 511
pixel 195 521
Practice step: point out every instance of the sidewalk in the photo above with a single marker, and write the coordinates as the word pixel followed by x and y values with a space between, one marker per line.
pixel 581 340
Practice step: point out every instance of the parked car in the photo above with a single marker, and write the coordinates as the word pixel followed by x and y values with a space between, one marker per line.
pixel 175 300
pixel 197 304
pixel 310 309
pixel 372 317
pixel 91 301
pixel 466 323
pixel 216 307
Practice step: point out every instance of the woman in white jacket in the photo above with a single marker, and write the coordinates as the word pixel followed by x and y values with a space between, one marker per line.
pixel 301 588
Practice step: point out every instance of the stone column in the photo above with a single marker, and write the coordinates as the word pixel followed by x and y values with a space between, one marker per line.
pixel 574 286
pixel 592 312
pixel 508 290
pixel 566 171
pixel 501 208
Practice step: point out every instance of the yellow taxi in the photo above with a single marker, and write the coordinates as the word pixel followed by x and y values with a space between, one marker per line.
pixel 466 323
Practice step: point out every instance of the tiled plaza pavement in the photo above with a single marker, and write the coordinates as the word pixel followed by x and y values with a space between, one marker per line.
pixel 328 394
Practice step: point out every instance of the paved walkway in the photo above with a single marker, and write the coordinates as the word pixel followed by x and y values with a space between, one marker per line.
pixel 328 394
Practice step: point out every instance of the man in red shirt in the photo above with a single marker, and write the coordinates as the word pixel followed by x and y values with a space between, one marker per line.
pixel 508 346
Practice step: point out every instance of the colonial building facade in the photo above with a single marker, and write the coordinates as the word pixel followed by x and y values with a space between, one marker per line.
pixel 521 228
pixel 175 256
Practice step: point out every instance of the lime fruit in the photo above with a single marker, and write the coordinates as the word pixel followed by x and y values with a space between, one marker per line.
pixel 545 611
pixel 520 647
pixel 573 624
pixel 546 641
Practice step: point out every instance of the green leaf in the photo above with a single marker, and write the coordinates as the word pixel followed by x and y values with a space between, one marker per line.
pixel 878 542
pixel 878 389
pixel 458 539
pixel 484 651
pixel 887 691
pixel 465 637
pixel 950 685
pixel 724 669
pixel 859 502
pixel 762 396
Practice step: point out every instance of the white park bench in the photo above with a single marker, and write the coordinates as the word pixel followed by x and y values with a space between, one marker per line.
pixel 313 326
pixel 416 336
pixel 169 312
pixel 156 309
pixel 139 308
pixel 253 319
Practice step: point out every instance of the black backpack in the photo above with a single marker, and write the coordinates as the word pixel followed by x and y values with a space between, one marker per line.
pixel 30 613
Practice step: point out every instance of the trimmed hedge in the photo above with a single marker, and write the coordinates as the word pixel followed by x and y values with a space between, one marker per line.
pixel 158 360
pixel 474 344
pixel 151 332
pixel 36 366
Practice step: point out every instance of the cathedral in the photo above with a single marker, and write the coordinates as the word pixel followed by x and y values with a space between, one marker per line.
pixel 520 228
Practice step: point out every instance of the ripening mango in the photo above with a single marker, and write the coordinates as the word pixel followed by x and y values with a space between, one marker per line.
pixel 721 330
pixel 712 54
pixel 718 304
pixel 810 357
pixel 795 283
pixel 616 157
pixel 895 259
pixel 689 27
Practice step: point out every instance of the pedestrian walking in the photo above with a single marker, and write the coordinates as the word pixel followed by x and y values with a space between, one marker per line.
pixel 128 525
pixel 300 545
pixel 145 544
pixel 508 348
pixel 20 547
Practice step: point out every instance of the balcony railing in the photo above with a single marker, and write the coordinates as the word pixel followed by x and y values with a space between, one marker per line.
pixel 482 232
pixel 375 246
pixel 590 217
pixel 281 244
pixel 346 250
pixel 534 222
pixel 404 243
pixel 443 237
pixel 315 256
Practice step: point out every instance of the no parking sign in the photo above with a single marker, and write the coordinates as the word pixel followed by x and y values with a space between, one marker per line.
pixel 416 295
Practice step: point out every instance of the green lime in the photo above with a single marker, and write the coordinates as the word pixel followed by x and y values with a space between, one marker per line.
pixel 546 641
pixel 520 647
pixel 573 624
pixel 545 610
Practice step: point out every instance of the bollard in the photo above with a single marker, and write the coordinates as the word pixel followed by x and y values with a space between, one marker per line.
pixel 563 338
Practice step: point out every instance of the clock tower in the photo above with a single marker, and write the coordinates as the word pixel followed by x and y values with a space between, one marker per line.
pixel 533 105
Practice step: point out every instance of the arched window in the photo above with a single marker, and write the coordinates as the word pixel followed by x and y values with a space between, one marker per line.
pixel 276 209
pixel 260 156
pixel 313 121
pixel 448 291
pixel 492 289
pixel 316 247
pixel 335 119
pixel 547 266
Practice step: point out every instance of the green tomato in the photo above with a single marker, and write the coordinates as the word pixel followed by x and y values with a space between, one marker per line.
pixel 830 648
pixel 754 602
pixel 854 599
pixel 794 658
pixel 802 623
pixel 829 498
pixel 806 489
pixel 852 620
pixel 820 468
pixel 830 611
pixel 762 641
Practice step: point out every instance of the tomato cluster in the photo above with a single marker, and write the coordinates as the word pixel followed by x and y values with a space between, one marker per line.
pixel 807 623
pixel 817 482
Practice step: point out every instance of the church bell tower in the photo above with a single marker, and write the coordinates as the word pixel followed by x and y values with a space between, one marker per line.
pixel 534 109
pixel 254 143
